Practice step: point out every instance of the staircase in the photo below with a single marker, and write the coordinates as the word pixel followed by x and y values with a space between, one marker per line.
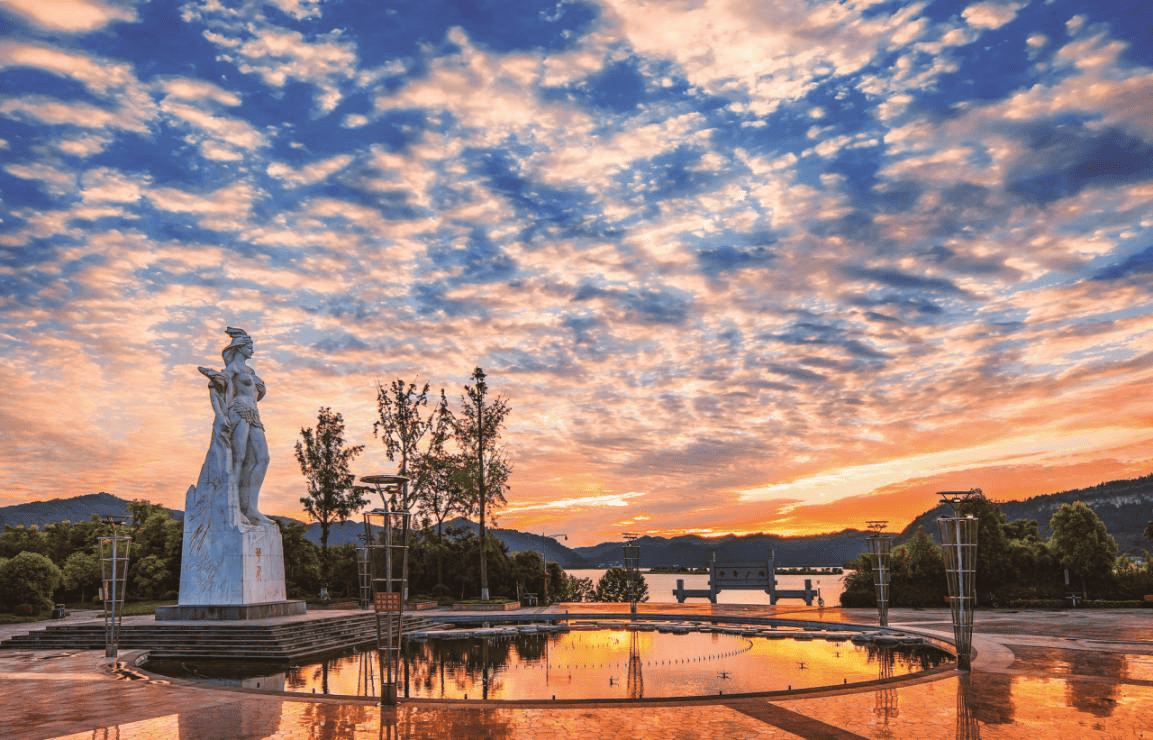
pixel 273 642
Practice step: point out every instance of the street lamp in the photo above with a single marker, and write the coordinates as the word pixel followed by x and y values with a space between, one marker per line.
pixel 879 545
pixel 114 573
pixel 389 582
pixel 544 563
pixel 632 560
pixel 959 541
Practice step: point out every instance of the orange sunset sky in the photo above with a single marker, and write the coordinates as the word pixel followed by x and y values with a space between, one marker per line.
pixel 737 267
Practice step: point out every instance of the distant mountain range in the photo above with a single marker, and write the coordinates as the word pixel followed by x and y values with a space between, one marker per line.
pixel 1124 506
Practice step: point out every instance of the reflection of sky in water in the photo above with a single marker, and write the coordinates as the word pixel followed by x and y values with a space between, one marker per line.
pixel 608 664
pixel 991 706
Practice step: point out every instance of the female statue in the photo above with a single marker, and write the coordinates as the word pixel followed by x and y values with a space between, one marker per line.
pixel 234 393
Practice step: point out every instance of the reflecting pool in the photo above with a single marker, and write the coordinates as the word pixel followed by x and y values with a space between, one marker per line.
pixel 588 664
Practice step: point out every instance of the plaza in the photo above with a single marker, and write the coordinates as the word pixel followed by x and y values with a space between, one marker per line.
pixel 1075 673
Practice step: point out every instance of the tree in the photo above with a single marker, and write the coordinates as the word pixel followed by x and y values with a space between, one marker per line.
pixel 154 562
pixel 434 473
pixel 918 572
pixel 28 580
pixel 150 575
pixel 324 459
pixel 477 432
pixel 566 587
pixel 401 425
pixel 993 571
pixel 614 586
pixel 301 560
pixel 1081 543
pixel 81 571
pixel 18 539
pixel 1149 531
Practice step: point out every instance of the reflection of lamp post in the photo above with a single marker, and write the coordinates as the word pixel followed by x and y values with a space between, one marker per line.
pixel 959 540
pixel 544 564
pixel 389 583
pixel 879 544
pixel 632 560
pixel 114 573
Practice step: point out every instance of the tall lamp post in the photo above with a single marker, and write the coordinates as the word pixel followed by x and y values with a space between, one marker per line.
pixel 632 561
pixel 544 564
pixel 388 567
pixel 959 542
pixel 879 546
pixel 114 572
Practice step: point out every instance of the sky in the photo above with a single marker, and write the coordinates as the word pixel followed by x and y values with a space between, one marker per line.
pixel 736 266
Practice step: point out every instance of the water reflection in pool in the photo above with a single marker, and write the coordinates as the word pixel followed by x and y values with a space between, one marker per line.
pixel 605 664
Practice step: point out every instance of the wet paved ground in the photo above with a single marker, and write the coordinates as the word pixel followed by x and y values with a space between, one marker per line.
pixel 1037 674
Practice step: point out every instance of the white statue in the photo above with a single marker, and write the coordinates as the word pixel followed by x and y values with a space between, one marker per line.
pixel 234 393
pixel 232 557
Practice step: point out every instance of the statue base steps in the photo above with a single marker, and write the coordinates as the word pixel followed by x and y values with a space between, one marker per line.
pixel 236 612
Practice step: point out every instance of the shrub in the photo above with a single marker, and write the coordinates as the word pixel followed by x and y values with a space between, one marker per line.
pixel 29 578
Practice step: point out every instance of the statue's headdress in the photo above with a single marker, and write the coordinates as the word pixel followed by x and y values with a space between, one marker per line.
pixel 240 338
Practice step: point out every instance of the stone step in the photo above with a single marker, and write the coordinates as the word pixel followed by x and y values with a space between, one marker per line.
pixel 273 642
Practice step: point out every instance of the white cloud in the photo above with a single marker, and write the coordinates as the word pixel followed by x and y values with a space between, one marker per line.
pixel 98 75
pixel 986 16
pixel 311 173
pixel 191 89
pixel 72 16
pixel 278 55
pixel 235 199
pixel 582 502
pixel 235 132
pixel 762 53
pixel 105 185
pixel 55 179
pixel 298 9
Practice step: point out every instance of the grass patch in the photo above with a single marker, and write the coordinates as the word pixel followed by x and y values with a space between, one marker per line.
pixel 6 618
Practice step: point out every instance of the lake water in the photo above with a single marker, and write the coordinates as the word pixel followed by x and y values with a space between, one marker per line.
pixel 589 664
pixel 662 585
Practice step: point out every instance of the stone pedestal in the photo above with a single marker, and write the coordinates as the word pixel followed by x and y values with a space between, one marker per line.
pixel 230 563
pixel 229 612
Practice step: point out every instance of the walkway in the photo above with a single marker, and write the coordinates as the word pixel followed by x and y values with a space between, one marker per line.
pixel 1076 674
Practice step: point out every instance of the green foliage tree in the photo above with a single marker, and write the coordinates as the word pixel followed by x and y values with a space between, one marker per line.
pixel 417 442
pixel 1081 543
pixel 345 579
pixel 407 432
pixel 993 571
pixel 859 590
pixel 81 573
pixel 324 459
pixel 154 554
pixel 27 582
pixel 918 572
pixel 528 572
pixel 301 560
pixel 150 576
pixel 614 587
pixel 567 587
pixel 478 430
pixel 18 539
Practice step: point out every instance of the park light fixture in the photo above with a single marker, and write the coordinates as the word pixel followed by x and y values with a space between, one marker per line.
pixel 632 561
pixel 959 542
pixel 387 556
pixel 880 545
pixel 114 572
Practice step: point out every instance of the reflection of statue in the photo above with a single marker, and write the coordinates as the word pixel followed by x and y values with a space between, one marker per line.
pixel 234 393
